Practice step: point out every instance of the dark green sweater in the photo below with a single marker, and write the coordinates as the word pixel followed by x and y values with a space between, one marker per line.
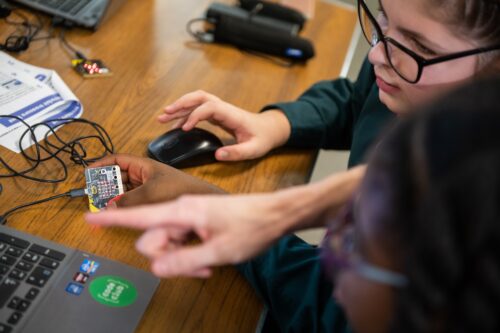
pixel 288 277
pixel 338 114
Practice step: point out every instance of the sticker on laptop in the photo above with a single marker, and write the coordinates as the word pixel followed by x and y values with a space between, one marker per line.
pixel 80 277
pixel 113 291
pixel 89 266
pixel 74 288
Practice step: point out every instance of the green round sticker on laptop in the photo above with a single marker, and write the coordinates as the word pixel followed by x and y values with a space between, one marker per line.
pixel 113 291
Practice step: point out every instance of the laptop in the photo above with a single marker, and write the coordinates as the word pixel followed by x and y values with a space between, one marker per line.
pixel 84 13
pixel 46 287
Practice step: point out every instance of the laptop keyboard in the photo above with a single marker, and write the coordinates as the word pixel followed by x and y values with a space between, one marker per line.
pixel 23 262
pixel 68 6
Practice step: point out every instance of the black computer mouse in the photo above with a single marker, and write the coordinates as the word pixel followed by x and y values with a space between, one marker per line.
pixel 182 149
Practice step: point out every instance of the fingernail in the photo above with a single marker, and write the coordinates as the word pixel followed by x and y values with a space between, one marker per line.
pixel 112 202
pixel 139 245
pixel 223 154
pixel 158 268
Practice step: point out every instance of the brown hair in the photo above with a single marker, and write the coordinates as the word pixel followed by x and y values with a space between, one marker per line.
pixel 476 19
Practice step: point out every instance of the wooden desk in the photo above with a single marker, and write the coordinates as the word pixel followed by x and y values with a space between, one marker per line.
pixel 154 62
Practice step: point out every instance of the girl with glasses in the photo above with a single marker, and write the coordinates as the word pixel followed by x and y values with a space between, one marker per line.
pixel 415 250
pixel 420 50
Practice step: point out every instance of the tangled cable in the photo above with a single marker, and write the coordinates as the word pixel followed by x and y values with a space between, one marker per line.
pixel 26 32
pixel 54 146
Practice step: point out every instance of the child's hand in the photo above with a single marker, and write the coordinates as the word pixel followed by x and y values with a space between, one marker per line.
pixel 256 134
pixel 149 181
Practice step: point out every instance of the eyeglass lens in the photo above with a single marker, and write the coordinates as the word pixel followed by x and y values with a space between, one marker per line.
pixel 404 64
pixel 338 248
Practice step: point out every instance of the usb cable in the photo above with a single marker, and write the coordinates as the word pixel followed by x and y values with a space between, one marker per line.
pixel 75 193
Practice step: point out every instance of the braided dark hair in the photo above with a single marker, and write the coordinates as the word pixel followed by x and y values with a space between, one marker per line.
pixel 441 188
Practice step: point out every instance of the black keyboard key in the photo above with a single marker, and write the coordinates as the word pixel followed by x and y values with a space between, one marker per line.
pixel 42 272
pixel 15 252
pixel 7 288
pixel 36 281
pixel 39 276
pixel 5 328
pixel 17 274
pixel 23 305
pixel 32 293
pixel 7 260
pixel 2 247
pixel 24 266
pixel 47 252
pixel 31 257
pixel 14 318
pixel 14 241
pixel 14 303
pixel 3 269
pixel 49 263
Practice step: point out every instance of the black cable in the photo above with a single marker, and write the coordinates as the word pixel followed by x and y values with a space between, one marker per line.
pixel 25 33
pixel 201 36
pixel 37 149
pixel 50 35
pixel 75 148
pixel 72 193
pixel 76 157
pixel 64 42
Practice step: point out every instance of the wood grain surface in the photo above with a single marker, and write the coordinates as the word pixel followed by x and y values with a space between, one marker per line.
pixel 155 61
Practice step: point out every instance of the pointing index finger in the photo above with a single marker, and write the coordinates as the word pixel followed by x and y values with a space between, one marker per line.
pixel 143 217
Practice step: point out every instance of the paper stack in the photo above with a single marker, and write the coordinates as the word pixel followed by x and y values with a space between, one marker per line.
pixel 33 94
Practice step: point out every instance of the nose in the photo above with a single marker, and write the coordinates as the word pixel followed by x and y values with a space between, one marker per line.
pixel 376 56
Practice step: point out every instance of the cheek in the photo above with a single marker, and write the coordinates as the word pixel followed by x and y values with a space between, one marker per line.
pixel 416 94
pixel 422 93
pixel 412 96
pixel 438 80
pixel 449 73
pixel 398 103
pixel 368 305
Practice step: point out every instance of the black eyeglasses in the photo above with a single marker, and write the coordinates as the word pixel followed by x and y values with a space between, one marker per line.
pixel 406 63
pixel 339 252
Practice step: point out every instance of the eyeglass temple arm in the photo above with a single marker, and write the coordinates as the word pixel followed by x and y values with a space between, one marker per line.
pixel 381 275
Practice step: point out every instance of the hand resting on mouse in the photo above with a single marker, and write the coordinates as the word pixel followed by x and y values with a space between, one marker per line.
pixel 255 133
pixel 181 149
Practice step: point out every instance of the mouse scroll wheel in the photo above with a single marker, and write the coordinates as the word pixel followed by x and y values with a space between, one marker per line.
pixel 170 144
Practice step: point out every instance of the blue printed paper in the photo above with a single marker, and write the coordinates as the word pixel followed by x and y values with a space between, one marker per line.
pixel 31 94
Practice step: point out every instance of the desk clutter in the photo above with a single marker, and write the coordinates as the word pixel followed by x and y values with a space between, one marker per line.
pixel 65 14
pixel 40 279
pixel 257 26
